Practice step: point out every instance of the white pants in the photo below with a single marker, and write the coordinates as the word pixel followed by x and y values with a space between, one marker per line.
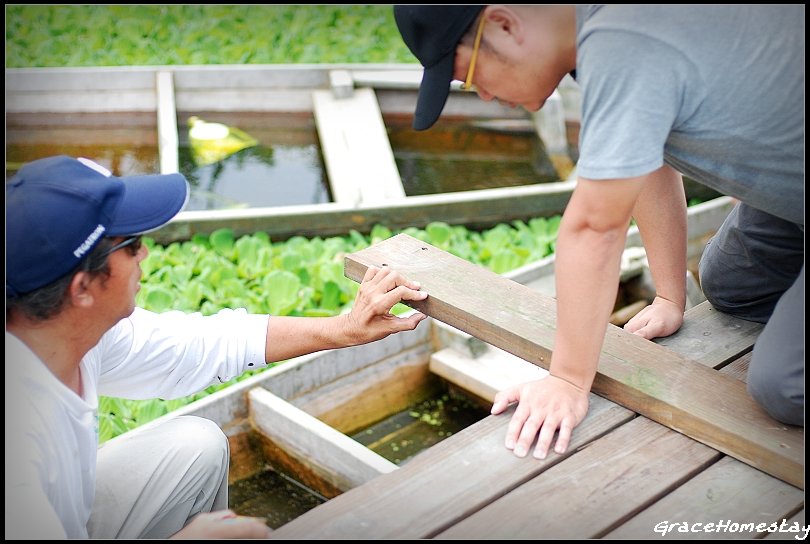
pixel 152 484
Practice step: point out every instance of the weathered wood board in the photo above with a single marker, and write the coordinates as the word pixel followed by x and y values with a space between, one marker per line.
pixel 401 505
pixel 355 147
pixel 314 442
pixel 638 374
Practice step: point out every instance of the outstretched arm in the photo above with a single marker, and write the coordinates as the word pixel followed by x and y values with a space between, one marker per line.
pixel 660 213
pixel 589 247
pixel 370 319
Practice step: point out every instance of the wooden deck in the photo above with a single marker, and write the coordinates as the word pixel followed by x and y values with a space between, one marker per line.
pixel 675 448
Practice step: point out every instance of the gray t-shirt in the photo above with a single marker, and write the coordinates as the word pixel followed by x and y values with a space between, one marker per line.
pixel 717 92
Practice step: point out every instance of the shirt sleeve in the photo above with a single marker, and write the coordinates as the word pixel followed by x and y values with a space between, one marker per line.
pixel 174 354
pixel 633 93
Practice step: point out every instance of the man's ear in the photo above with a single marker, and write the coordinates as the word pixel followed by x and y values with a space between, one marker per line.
pixel 80 290
pixel 507 24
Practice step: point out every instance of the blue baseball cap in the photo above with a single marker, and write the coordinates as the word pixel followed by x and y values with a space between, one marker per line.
pixel 433 33
pixel 59 208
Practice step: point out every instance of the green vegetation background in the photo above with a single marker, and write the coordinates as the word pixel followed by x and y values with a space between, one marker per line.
pixel 141 35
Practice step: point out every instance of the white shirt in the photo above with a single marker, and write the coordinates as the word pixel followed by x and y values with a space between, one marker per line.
pixel 52 434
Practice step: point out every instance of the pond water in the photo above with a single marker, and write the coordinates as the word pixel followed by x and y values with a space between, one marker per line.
pixel 272 496
pixel 123 143
pixel 402 435
pixel 398 437
pixel 286 167
pixel 464 155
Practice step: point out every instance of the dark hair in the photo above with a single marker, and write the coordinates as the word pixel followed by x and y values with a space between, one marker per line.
pixel 44 303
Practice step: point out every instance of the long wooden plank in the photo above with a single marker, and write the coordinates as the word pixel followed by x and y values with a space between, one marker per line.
pixel 359 160
pixel 334 456
pixel 442 484
pixel 482 208
pixel 599 484
pixel 640 375
pixel 739 501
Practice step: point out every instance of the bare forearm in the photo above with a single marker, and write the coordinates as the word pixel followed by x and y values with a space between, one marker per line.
pixel 660 213
pixel 289 337
pixel 587 276
pixel 369 319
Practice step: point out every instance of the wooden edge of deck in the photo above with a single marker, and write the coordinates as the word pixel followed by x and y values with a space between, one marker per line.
pixel 633 372
pixel 315 443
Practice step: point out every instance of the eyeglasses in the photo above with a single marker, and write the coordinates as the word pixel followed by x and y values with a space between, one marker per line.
pixel 133 243
pixel 467 85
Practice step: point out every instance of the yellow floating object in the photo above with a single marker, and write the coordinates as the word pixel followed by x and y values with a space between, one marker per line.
pixel 213 142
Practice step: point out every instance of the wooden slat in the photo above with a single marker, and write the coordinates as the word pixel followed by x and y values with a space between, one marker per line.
pixel 739 367
pixel 459 475
pixel 712 338
pixel 727 492
pixel 334 456
pixel 790 529
pixel 482 208
pixel 609 485
pixel 649 379
pixel 359 160
pixel 486 374
pixel 362 398
pixel 589 493
pixel 168 138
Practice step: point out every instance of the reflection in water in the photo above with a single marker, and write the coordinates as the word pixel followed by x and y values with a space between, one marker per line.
pixel 256 177
pixel 124 143
pixel 286 167
pixel 214 142
pixel 466 155
pixel 120 160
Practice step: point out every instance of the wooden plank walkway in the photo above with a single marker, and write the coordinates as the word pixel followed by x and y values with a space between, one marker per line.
pixel 621 479
pixel 654 381
pixel 623 476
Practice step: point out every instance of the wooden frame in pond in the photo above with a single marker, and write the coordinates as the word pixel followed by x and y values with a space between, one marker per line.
pixel 173 91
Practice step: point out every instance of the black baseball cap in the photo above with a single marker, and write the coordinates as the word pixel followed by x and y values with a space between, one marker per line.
pixel 432 33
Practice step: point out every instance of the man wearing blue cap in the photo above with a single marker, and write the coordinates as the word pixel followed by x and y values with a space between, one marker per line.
pixel 714 92
pixel 73 254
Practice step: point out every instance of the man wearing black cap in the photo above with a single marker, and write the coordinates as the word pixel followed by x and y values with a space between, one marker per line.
pixel 73 254
pixel 714 92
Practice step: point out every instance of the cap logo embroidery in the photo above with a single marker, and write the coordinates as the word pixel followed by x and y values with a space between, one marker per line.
pixel 88 243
